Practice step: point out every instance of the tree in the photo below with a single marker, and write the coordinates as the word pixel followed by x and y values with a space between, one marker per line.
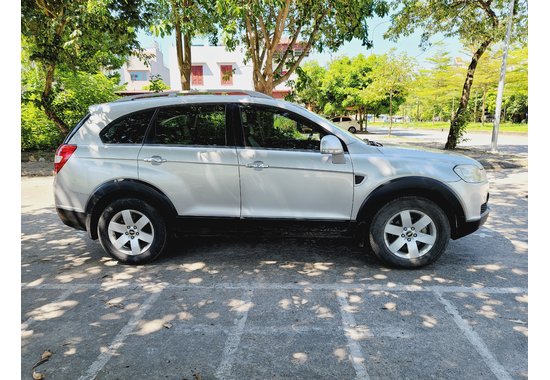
pixel 78 35
pixel 187 19
pixel 306 25
pixel 156 84
pixel 477 23
pixel 308 86
pixel 391 76
pixel 71 95
pixel 488 72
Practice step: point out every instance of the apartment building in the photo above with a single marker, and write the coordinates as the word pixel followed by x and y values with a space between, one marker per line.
pixel 214 67
pixel 136 73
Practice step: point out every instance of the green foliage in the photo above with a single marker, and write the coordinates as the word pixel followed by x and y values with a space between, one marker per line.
pixel 37 131
pixel 359 84
pixel 516 107
pixel 72 94
pixel 77 36
pixel 195 18
pixel 156 84
pixel 478 24
pixel 83 35
pixel 309 25
pixel 75 92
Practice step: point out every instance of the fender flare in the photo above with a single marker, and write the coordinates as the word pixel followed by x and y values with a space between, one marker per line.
pixel 429 188
pixel 125 188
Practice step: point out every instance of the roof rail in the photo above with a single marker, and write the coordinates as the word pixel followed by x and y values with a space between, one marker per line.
pixel 227 91
pixel 222 91
pixel 146 96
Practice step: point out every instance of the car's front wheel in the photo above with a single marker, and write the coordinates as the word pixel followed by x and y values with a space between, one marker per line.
pixel 409 232
pixel 352 129
pixel 132 231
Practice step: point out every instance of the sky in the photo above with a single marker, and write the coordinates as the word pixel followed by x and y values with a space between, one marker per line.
pixel 378 27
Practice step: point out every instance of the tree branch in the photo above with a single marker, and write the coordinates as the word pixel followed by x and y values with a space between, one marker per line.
pixel 486 5
pixel 289 48
pixel 309 44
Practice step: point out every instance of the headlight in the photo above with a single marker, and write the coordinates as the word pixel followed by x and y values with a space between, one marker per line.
pixel 471 173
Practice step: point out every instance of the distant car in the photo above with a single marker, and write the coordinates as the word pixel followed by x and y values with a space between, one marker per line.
pixel 346 122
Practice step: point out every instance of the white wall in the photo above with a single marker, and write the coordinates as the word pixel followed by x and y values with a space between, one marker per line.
pixel 155 66
pixel 211 58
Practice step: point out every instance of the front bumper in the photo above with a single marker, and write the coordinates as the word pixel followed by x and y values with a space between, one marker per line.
pixel 466 228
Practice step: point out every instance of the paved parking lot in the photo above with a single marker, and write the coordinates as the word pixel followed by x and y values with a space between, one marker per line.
pixel 275 305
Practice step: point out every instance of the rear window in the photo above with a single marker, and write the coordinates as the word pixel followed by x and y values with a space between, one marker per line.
pixel 129 129
pixel 76 128
pixel 346 119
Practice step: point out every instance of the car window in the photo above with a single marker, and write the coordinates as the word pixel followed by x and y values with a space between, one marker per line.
pixel 336 120
pixel 346 119
pixel 268 127
pixel 191 125
pixel 129 129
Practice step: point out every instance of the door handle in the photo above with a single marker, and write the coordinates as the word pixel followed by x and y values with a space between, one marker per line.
pixel 257 165
pixel 155 160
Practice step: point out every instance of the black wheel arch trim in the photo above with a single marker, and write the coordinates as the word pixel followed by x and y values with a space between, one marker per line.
pixel 429 188
pixel 125 188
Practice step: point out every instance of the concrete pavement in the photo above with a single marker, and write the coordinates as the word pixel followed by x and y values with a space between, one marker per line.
pixel 274 306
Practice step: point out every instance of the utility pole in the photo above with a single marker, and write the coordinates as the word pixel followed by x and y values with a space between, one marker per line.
pixel 498 108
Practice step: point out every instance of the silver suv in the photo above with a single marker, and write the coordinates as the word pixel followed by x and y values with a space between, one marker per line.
pixel 131 171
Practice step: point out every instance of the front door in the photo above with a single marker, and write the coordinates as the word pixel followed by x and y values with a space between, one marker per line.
pixel 282 172
pixel 190 156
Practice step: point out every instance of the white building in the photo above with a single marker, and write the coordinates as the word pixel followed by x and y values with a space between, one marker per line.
pixel 213 67
pixel 136 73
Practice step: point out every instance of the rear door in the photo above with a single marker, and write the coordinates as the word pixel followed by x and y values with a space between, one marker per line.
pixel 283 173
pixel 190 155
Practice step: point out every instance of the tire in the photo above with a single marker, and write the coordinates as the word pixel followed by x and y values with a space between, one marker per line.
pixel 129 238
pixel 352 129
pixel 409 232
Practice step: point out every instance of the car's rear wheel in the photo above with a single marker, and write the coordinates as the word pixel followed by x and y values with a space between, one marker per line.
pixel 131 231
pixel 352 129
pixel 409 232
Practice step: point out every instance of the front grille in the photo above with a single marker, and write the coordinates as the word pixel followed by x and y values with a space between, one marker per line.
pixel 483 208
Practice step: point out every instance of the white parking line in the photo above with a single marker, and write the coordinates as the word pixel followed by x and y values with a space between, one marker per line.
pixel 234 339
pixel 349 325
pixel 498 370
pixel 62 297
pixel 293 286
pixel 118 341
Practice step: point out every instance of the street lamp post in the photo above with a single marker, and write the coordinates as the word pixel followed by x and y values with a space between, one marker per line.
pixel 498 108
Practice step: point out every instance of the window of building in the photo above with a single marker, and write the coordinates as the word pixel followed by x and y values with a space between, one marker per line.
pixel 138 76
pixel 226 72
pixel 196 75
pixel 128 129
pixel 266 127
pixel 191 125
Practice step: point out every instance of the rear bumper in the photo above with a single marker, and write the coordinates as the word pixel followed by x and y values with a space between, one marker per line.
pixel 73 219
pixel 466 228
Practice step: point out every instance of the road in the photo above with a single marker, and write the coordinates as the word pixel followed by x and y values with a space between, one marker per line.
pixel 274 306
pixel 508 143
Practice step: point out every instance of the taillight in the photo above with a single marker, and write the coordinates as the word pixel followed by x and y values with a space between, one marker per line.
pixel 62 155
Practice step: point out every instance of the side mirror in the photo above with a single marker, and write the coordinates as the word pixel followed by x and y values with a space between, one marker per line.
pixel 331 145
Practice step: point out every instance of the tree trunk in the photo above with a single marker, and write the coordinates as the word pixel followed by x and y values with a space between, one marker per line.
pixel 475 110
pixel 458 122
pixel 179 47
pixel 483 107
pixel 186 74
pixel 46 101
pixel 391 118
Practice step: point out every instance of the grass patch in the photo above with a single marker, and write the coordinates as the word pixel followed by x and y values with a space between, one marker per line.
pixel 488 127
